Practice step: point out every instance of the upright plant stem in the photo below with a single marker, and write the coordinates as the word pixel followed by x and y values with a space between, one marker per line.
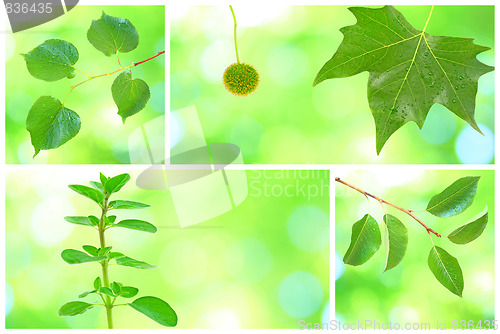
pixel 235 39
pixel 382 201
pixel 104 264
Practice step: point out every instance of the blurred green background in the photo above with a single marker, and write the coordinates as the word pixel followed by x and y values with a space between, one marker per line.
pixel 103 138
pixel 410 293
pixel 288 121
pixel 264 264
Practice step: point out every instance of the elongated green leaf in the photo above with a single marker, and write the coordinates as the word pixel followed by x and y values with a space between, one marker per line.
pixel 97 282
pixel 52 60
pixel 114 255
pixel 454 199
pixel 128 291
pixel 88 192
pixel 93 220
pixel 85 294
pixel 111 34
pixel 365 241
pixel 104 251
pixel 129 262
pixel 120 204
pixel 116 288
pixel 73 256
pixel 79 220
pixel 114 184
pixel 130 95
pixel 103 178
pixel 50 124
pixel 90 249
pixel 446 270
pixel 74 308
pixel 470 231
pixel 155 309
pixel 97 186
pixel 106 291
pixel 397 243
pixel 410 70
pixel 136 224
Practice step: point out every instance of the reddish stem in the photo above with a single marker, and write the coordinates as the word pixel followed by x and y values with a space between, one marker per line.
pixel 145 60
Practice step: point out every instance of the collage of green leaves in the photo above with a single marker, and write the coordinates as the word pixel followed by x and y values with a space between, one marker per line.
pixel 319 166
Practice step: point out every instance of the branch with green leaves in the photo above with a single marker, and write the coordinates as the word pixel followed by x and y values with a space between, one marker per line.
pixel 49 122
pixel 110 292
pixel 455 199
pixel 410 70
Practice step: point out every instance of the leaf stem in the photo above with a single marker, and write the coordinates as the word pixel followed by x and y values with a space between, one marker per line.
pixel 428 19
pixel 106 74
pixel 104 264
pixel 408 212
pixel 235 39
pixel 80 71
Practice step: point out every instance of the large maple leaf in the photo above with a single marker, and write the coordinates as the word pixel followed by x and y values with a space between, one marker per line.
pixel 410 70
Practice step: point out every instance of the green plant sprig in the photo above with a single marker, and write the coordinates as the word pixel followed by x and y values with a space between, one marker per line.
pixel 109 292
pixel 455 199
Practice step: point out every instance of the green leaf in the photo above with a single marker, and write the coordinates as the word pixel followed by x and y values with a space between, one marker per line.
pixel 136 224
pixel 120 204
pixel 454 199
pixel 470 231
pixel 97 186
pixel 130 95
pixel 410 70
pixel 73 256
pixel 94 220
pixel 79 220
pixel 365 241
pixel 52 60
pixel 103 178
pixel 446 270
pixel 128 291
pixel 114 184
pixel 85 294
pixel 129 262
pixel 97 282
pixel 155 309
pixel 88 192
pixel 111 219
pixel 397 242
pixel 106 291
pixel 50 124
pixel 74 308
pixel 111 34
pixel 90 249
pixel 104 251
pixel 116 288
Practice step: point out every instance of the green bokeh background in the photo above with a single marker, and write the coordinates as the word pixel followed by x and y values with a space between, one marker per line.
pixel 410 293
pixel 103 138
pixel 287 120
pixel 225 273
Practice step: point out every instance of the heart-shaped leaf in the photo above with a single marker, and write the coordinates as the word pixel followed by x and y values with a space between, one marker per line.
pixel 365 241
pixel 88 192
pixel 446 270
pixel 410 70
pixel 129 262
pixel 468 232
pixel 50 124
pixel 130 95
pixel 121 204
pixel 73 256
pixel 114 184
pixel 136 224
pixel 397 242
pixel 155 309
pixel 111 34
pixel 52 60
pixel 74 308
pixel 454 199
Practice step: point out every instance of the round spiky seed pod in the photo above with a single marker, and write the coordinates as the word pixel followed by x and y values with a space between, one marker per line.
pixel 241 79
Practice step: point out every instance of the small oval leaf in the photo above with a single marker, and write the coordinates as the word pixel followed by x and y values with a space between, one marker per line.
pixel 397 241
pixel 446 270
pixel 128 291
pixel 454 199
pixel 111 34
pixel 155 309
pixel 114 184
pixel 97 282
pixel 73 256
pixel 88 192
pixel 365 241
pixel 136 224
pixel 121 204
pixel 52 60
pixel 90 249
pixel 468 232
pixel 74 308
pixel 130 95
pixel 79 220
pixel 50 124
pixel 106 291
